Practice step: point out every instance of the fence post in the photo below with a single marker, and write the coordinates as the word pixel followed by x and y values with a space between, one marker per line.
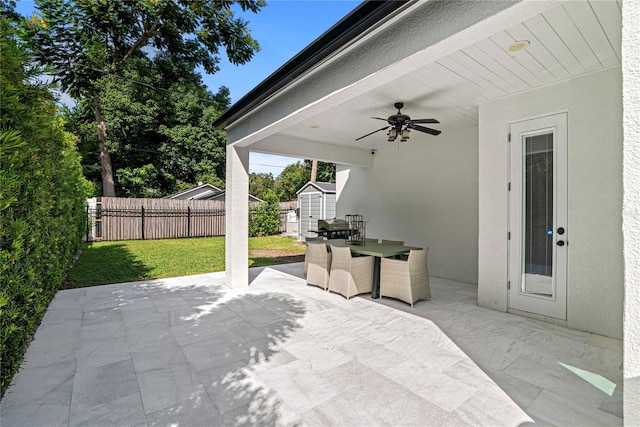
pixel 99 231
pixel 188 221
pixel 142 210
pixel 87 224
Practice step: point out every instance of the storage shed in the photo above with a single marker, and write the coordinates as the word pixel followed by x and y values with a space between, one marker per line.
pixel 316 200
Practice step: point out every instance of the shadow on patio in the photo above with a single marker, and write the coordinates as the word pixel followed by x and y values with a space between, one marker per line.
pixel 190 351
pixel 163 352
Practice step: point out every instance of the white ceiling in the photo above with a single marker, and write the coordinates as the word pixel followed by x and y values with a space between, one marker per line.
pixel 574 38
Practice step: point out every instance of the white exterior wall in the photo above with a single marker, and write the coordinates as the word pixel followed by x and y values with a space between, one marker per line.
pixel 631 209
pixel 426 193
pixel 595 278
pixel 237 218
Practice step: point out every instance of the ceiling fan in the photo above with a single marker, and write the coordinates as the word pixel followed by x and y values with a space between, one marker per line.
pixel 399 125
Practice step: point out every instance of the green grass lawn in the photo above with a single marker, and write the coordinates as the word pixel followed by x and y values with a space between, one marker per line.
pixel 116 262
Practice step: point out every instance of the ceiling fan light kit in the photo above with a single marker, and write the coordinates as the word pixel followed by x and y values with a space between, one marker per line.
pixel 400 125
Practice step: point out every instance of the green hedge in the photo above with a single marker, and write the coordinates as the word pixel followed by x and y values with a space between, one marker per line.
pixel 264 220
pixel 42 194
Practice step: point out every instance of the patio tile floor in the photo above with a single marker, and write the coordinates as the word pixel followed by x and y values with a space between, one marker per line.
pixel 190 351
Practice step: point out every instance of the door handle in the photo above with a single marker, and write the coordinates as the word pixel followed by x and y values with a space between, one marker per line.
pixel 560 243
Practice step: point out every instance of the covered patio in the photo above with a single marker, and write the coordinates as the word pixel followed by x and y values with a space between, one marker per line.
pixel 192 351
pixel 496 76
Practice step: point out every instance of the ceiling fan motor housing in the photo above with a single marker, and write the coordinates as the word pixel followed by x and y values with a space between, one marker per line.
pixel 399 125
pixel 398 119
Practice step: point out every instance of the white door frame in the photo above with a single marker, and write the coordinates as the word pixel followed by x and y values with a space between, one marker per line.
pixel 554 305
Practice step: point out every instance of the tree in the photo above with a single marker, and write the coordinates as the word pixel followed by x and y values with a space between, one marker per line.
pixel 8 12
pixel 82 41
pixel 294 176
pixel 162 138
pixel 326 171
pixel 260 184
pixel 291 179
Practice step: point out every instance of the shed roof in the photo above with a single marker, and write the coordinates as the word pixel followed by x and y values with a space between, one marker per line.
pixel 325 187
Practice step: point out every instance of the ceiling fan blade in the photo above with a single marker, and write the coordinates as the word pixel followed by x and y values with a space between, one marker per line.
pixel 364 136
pixel 424 121
pixel 379 118
pixel 424 129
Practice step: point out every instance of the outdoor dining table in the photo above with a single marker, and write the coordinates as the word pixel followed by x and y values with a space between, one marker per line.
pixel 378 251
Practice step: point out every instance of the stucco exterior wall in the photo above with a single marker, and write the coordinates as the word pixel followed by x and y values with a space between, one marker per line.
pixel 424 192
pixel 595 268
pixel 631 209
pixel 237 218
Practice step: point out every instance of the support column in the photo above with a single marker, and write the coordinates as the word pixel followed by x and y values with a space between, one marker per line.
pixel 631 208
pixel 237 217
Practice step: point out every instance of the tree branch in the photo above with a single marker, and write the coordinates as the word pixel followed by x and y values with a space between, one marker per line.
pixel 153 31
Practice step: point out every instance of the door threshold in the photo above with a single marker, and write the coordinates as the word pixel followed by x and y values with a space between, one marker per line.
pixel 537 317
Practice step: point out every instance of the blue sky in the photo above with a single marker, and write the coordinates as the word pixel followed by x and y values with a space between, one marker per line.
pixel 283 28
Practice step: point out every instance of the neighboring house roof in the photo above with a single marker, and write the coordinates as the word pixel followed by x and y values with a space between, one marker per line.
pixel 325 187
pixel 221 195
pixel 357 22
pixel 204 192
pixel 201 192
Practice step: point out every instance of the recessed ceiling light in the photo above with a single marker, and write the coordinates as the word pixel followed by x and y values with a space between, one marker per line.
pixel 519 45
pixel 314 126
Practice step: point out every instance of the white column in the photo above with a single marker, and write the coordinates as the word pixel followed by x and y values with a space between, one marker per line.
pixel 631 208
pixel 237 217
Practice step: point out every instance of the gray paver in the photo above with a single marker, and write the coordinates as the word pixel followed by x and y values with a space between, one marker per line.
pixel 96 386
pixel 125 411
pixel 162 388
pixel 196 411
pixel 190 351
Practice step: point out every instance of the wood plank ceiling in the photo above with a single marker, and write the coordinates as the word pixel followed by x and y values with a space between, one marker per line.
pixel 574 38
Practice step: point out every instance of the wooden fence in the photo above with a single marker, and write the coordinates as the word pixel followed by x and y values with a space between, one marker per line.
pixel 115 218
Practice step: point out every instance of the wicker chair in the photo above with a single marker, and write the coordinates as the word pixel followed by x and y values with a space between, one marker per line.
pixel 318 261
pixel 407 280
pixel 350 275
pixel 306 242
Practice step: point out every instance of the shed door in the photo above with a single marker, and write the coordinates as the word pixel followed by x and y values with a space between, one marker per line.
pixel 311 209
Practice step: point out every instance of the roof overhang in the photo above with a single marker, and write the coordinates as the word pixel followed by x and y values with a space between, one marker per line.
pixel 357 22
pixel 443 59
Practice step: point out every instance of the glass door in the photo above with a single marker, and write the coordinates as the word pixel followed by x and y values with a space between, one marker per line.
pixel 538 216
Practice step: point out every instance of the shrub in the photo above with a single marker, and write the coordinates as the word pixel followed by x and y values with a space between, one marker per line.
pixel 42 194
pixel 264 220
